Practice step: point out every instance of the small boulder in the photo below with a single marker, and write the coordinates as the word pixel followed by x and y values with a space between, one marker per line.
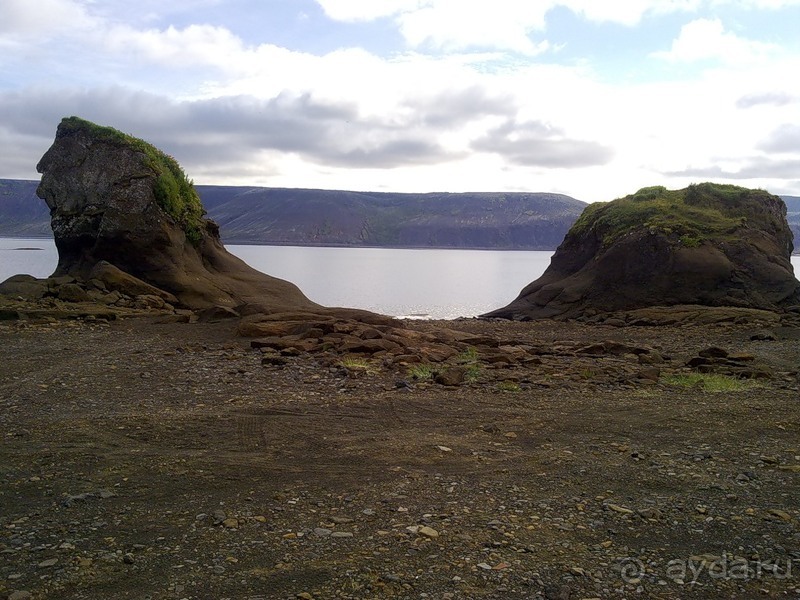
pixel 24 286
pixel 451 376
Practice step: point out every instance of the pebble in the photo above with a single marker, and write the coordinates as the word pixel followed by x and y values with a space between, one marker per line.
pixel 219 516
pixel 341 534
pixel 775 513
pixel 341 520
pixel 50 562
pixel 429 532
pixel 322 532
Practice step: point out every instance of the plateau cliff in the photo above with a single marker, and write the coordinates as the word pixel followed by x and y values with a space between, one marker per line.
pixel 257 215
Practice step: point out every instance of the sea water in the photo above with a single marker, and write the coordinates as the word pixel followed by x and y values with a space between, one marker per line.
pixel 418 283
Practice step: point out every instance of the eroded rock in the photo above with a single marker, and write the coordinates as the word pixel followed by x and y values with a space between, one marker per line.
pixel 121 211
pixel 707 245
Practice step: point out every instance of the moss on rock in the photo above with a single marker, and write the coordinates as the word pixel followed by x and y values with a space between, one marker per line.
pixel 700 212
pixel 708 244
pixel 174 191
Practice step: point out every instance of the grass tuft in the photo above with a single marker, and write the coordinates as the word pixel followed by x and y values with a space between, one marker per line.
pixel 353 363
pixel 509 386
pixel 421 372
pixel 710 382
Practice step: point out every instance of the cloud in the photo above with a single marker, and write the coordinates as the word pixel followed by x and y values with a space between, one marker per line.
pixel 367 10
pixel 761 168
pixel 762 4
pixel 536 144
pixel 195 45
pixel 785 139
pixel 235 106
pixel 456 25
pixel 43 18
pixel 453 108
pixel 767 99
pixel 232 129
pixel 706 39
pixel 452 25
pixel 628 12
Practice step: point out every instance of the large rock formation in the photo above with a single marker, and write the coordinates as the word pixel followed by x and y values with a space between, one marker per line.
pixel 708 244
pixel 117 199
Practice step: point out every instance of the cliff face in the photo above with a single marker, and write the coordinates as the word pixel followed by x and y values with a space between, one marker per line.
pixel 713 245
pixel 531 221
pixel 118 199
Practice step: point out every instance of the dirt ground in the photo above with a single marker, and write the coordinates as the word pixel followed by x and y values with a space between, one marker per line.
pixel 145 460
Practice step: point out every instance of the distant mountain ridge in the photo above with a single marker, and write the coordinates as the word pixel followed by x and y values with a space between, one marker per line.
pixel 503 220
pixel 259 215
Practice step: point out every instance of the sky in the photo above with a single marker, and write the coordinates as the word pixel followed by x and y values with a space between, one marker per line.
pixel 581 97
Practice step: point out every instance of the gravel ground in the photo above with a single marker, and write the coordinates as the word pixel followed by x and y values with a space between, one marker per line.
pixel 149 460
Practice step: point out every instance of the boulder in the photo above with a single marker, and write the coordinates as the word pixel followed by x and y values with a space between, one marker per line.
pixel 706 245
pixel 114 279
pixel 115 198
pixel 27 287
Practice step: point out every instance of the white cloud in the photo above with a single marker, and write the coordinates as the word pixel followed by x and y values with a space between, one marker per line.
pixel 705 39
pixel 760 4
pixel 43 17
pixel 627 12
pixel 254 112
pixel 767 99
pixel 367 10
pixel 195 45
pixel 454 25
pixel 503 24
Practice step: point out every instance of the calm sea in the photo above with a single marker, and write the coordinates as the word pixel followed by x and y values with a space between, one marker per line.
pixel 437 284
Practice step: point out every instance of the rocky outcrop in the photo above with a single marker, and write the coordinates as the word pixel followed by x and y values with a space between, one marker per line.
pixel 116 199
pixel 709 245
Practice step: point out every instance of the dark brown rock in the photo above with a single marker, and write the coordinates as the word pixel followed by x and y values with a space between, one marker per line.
pixel 708 245
pixel 370 346
pixel 117 199
pixel 112 278
pixel 650 374
pixel 713 352
pixel 24 286
pixel 451 376
pixel 215 314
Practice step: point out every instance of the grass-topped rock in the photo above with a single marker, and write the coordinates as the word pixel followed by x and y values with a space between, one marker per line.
pixel 119 199
pixel 708 244
pixel 173 190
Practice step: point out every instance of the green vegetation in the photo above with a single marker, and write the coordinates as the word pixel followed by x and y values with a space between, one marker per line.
pixel 352 363
pixel 174 191
pixel 421 372
pixel 691 216
pixel 710 382
pixel 470 359
pixel 508 386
